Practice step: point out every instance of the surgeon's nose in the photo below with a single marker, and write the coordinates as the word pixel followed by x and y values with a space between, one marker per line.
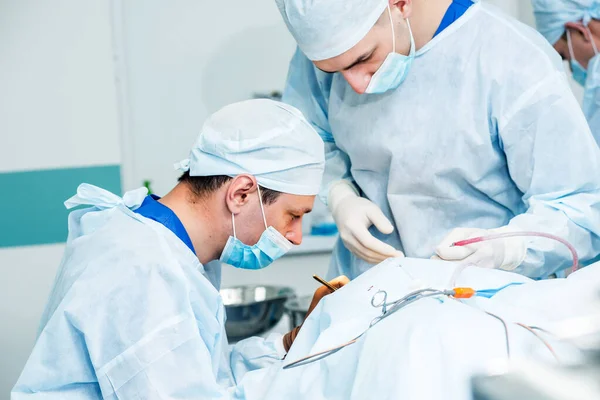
pixel 358 80
pixel 295 235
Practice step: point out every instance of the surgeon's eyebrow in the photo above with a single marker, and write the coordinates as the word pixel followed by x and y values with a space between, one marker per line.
pixel 359 60
pixel 300 211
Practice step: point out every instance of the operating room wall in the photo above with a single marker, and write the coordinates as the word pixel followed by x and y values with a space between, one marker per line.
pixel 183 61
pixel 58 126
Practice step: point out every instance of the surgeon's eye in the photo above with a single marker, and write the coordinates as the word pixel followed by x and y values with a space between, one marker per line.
pixel 366 60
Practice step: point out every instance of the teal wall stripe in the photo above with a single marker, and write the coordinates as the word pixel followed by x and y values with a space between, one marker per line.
pixel 31 204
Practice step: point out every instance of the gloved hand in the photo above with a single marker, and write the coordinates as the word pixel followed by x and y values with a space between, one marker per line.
pixel 321 292
pixel 353 216
pixel 505 253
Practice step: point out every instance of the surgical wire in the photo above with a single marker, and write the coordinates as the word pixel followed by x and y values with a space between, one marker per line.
pixel 401 303
pixel 398 304
pixel 393 307
pixel 548 346
pixel 421 292
pixel 505 331
pixel 322 354
pixel 537 328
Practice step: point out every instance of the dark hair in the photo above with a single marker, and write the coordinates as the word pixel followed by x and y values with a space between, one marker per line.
pixel 202 186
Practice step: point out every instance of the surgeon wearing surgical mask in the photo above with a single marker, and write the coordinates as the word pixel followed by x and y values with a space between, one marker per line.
pixel 573 28
pixel 443 120
pixel 135 310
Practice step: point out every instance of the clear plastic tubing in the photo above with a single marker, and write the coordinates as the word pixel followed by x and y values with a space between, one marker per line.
pixel 520 234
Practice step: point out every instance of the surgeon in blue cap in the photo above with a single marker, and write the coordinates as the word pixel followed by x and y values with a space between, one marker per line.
pixel 443 120
pixel 573 28
pixel 135 311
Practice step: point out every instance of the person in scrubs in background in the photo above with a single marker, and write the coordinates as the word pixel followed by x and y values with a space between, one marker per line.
pixel 573 28
pixel 443 120
pixel 135 310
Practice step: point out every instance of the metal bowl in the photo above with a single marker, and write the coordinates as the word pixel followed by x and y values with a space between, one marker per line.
pixel 297 308
pixel 252 309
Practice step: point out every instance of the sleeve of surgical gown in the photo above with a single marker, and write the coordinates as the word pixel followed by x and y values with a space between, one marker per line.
pixel 554 160
pixel 153 338
pixel 307 89
pixel 255 353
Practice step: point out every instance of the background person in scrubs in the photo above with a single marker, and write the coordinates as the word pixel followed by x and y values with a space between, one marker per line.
pixel 573 28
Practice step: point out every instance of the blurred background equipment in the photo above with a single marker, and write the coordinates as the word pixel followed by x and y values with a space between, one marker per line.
pixel 253 309
pixel 536 381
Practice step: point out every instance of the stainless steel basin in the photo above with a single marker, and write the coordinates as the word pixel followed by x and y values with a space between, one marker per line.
pixel 253 309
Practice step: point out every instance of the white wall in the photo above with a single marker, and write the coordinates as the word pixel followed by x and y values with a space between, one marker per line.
pixel 26 274
pixel 57 93
pixel 58 109
pixel 183 60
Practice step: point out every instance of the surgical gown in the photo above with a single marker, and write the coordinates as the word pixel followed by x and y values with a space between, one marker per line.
pixel 484 132
pixel 132 315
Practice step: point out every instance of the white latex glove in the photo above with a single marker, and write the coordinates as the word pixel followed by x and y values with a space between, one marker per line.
pixel 353 216
pixel 506 253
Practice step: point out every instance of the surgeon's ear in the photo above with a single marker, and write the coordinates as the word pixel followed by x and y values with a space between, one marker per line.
pixel 405 7
pixel 239 191
pixel 578 28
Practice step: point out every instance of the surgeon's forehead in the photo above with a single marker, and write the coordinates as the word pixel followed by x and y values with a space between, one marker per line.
pixel 298 204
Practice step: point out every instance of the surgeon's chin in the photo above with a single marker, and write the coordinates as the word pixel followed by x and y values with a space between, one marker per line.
pixel 250 238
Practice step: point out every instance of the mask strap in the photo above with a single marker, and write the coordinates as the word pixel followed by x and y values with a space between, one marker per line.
pixel 261 207
pixel 233 224
pixel 570 45
pixel 592 39
pixel 392 25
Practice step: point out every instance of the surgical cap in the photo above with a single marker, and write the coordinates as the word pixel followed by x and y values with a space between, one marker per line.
pixel 267 139
pixel 552 15
pixel 327 28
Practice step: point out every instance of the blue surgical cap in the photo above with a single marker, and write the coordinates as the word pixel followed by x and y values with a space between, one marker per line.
pixel 552 15
pixel 327 28
pixel 267 139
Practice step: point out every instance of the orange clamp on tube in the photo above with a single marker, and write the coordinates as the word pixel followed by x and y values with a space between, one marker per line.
pixel 463 293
